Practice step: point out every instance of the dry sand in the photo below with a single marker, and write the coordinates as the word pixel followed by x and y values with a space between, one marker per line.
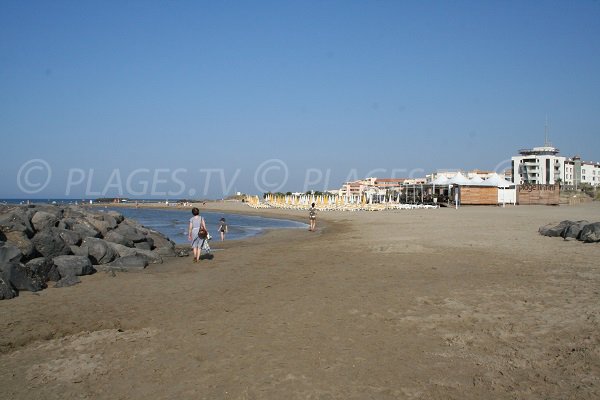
pixel 421 304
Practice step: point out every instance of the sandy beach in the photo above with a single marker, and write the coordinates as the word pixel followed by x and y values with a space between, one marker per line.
pixel 413 304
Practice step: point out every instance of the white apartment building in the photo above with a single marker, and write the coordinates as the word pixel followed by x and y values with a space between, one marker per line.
pixel 540 165
pixel 543 165
pixel 578 172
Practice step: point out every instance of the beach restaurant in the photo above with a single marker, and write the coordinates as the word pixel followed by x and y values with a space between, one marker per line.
pixel 474 191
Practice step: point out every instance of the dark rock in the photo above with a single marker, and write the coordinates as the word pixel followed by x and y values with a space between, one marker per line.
pixel 166 252
pixel 9 253
pixel 116 215
pixel 99 251
pixel 122 251
pixel 180 252
pixel 6 290
pixel 71 238
pixel 153 258
pixel 100 225
pixel 110 220
pixel 73 265
pixel 21 240
pixel 143 246
pixel 116 237
pixel 66 223
pixel 43 220
pixel 21 277
pixel 2 237
pixel 85 229
pixel 16 220
pixel 572 231
pixel 159 240
pixel 74 213
pixel 67 281
pixel 554 230
pixel 49 244
pixel 590 233
pixel 130 262
pixel 44 268
pixel 130 232
pixel 80 251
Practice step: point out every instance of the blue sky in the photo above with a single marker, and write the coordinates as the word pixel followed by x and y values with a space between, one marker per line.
pixel 171 93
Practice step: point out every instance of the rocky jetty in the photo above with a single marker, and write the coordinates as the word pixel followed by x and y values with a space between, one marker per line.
pixel 575 230
pixel 45 243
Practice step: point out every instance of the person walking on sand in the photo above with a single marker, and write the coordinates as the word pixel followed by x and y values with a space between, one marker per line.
pixel 222 228
pixel 312 216
pixel 196 224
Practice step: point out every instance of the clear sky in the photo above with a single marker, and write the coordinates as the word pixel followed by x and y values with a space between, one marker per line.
pixel 107 96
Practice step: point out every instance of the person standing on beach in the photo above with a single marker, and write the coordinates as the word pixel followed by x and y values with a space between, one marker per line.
pixel 196 223
pixel 222 228
pixel 312 216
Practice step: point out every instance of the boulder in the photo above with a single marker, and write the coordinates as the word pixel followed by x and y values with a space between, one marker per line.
pixel 66 223
pixel 71 238
pixel 85 229
pixel 16 220
pixel 73 265
pixel 166 252
pixel 80 251
pixel 101 226
pixel 572 231
pixel 43 220
pixel 49 244
pixel 159 240
pixel 6 290
pixel 122 251
pixel 74 212
pixel 116 237
pixel 555 230
pixel 590 233
pixel 67 281
pixel 21 277
pixel 143 246
pixel 99 251
pixel 130 232
pixel 110 220
pixel 21 240
pixel 153 257
pixel 130 262
pixel 116 215
pixel 9 253
pixel 44 268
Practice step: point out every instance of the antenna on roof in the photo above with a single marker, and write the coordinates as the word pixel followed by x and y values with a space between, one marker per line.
pixel 546 141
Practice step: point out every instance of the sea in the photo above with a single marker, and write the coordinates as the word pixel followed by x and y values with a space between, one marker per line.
pixel 174 223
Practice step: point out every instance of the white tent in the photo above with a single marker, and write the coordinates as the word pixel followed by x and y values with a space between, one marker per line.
pixel 496 180
pixel 440 180
pixel 459 179
pixel 476 180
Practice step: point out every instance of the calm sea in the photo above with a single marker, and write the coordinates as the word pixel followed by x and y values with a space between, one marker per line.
pixel 174 223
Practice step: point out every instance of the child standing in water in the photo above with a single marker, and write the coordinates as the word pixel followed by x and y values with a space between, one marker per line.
pixel 222 228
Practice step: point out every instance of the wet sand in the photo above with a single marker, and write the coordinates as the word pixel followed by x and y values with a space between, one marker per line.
pixel 412 304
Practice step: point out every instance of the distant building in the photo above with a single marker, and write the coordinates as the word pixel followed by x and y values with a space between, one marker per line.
pixel 469 174
pixel 540 165
pixel 374 185
pixel 578 172
pixel 543 165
